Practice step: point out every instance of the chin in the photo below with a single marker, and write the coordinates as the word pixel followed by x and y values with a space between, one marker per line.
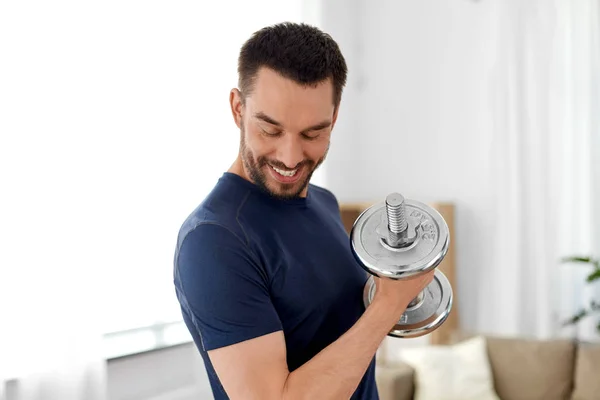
pixel 286 189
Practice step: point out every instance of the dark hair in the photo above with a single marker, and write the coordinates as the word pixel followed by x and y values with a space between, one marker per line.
pixel 297 51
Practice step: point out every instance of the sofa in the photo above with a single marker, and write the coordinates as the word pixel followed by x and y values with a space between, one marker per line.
pixel 516 368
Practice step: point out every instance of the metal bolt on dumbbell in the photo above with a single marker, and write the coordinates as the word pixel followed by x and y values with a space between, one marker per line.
pixel 400 239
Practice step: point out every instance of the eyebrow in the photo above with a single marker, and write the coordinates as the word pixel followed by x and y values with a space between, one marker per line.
pixel 264 117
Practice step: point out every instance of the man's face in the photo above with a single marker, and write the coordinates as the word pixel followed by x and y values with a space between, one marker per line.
pixel 285 132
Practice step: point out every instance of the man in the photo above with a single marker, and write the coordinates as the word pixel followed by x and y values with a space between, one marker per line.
pixel 268 286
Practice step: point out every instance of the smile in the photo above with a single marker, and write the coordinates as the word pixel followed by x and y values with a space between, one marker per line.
pixel 285 176
pixel 284 172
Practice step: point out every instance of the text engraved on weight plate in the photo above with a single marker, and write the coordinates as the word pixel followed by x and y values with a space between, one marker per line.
pixel 429 231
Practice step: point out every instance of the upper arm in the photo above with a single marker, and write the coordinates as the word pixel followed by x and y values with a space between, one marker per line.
pixel 225 292
pixel 253 369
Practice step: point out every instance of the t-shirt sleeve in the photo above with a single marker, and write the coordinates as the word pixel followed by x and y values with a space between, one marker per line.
pixel 222 288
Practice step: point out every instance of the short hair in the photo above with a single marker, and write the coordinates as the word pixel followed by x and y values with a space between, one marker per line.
pixel 297 51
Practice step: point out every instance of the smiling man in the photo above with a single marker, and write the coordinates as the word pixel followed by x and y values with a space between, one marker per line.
pixel 267 283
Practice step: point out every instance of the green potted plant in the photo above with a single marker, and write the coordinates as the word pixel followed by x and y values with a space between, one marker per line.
pixel 594 306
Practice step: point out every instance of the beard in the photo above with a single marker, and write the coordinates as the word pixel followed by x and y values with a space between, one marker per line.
pixel 255 168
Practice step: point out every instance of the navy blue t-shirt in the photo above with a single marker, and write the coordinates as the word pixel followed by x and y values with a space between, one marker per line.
pixel 248 264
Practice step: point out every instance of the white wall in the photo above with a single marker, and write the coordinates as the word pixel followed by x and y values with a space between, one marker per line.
pixel 417 116
pixel 340 18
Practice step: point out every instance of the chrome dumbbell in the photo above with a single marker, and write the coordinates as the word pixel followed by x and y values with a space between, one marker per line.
pixel 399 239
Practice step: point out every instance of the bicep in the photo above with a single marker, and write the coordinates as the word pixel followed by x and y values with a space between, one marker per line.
pixel 253 369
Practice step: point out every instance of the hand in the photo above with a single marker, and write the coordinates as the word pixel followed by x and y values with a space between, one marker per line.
pixel 397 294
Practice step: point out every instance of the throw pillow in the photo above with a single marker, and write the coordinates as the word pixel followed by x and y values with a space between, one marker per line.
pixel 532 369
pixel 458 372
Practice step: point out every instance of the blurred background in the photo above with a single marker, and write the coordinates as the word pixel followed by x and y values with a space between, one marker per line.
pixel 115 123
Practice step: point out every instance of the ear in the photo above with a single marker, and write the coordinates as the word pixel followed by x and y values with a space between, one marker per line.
pixel 235 102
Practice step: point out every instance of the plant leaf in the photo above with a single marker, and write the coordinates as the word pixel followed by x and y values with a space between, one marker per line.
pixel 594 275
pixel 581 314
pixel 577 317
pixel 582 259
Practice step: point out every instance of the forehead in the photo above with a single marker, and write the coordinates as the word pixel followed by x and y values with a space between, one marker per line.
pixel 282 98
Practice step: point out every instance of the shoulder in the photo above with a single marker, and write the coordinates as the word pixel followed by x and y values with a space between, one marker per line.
pixel 218 211
pixel 211 242
pixel 212 256
pixel 209 223
pixel 211 239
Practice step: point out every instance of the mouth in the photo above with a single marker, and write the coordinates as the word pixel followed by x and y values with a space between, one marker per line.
pixel 285 175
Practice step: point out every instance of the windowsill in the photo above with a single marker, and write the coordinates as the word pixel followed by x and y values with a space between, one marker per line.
pixel 145 339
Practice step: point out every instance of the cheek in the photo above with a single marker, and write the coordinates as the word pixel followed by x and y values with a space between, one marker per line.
pixel 317 149
pixel 257 143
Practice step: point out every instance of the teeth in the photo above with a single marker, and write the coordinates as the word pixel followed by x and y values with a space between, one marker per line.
pixel 285 173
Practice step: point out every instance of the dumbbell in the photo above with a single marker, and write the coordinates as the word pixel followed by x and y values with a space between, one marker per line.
pixel 399 239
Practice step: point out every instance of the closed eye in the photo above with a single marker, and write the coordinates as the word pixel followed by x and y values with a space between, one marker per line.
pixel 315 132
pixel 312 135
pixel 270 133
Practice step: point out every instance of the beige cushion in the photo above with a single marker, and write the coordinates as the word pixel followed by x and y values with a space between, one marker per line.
pixel 451 372
pixel 587 372
pixel 531 369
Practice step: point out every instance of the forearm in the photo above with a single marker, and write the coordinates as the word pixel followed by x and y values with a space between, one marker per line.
pixel 336 371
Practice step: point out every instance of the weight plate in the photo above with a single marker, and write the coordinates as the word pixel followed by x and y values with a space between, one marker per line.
pixel 368 241
pixel 427 315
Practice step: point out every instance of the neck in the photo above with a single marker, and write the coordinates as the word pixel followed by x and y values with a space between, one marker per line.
pixel 238 168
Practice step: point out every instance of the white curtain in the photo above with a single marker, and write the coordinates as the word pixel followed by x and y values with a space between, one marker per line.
pixel 579 47
pixel 545 163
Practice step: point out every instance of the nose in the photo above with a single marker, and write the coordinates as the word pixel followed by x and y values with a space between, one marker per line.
pixel 290 151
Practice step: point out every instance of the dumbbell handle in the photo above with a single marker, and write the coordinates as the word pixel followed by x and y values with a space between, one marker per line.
pixel 417 300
